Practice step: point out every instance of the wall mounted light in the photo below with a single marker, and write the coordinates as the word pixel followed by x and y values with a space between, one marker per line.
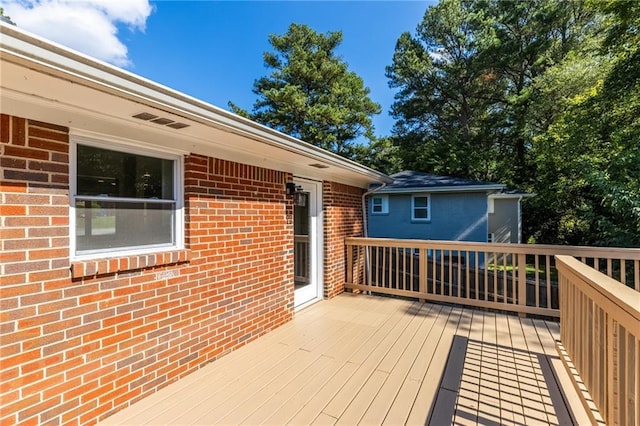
pixel 299 196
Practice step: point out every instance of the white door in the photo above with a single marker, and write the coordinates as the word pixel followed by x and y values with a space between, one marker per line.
pixel 307 249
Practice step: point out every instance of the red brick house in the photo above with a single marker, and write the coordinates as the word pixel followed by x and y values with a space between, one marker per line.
pixel 146 233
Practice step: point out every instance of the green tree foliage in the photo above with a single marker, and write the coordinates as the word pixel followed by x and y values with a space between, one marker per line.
pixel 589 158
pixel 311 94
pixel 443 96
pixel 5 18
pixel 534 94
pixel 381 154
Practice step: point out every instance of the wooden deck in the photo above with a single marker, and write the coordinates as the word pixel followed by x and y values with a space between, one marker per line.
pixel 360 359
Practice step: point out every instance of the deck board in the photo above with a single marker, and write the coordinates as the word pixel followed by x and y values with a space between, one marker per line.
pixel 360 359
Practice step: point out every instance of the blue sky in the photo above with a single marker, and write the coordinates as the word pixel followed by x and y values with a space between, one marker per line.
pixel 212 50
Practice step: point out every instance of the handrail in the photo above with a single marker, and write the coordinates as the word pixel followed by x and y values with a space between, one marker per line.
pixel 600 330
pixel 510 277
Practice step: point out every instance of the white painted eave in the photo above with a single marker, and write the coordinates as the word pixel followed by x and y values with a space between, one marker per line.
pixel 228 136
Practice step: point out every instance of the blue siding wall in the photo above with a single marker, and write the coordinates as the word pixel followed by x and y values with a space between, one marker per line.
pixel 456 217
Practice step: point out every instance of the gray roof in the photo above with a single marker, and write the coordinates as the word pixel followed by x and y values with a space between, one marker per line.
pixel 412 181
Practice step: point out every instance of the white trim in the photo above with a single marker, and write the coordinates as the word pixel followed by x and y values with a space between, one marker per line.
pixel 178 185
pixel 519 220
pixel 413 207
pixel 134 146
pixel 510 196
pixel 384 205
pixel 491 205
pixel 316 232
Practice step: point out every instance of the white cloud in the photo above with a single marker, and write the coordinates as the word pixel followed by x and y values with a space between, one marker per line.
pixel 89 26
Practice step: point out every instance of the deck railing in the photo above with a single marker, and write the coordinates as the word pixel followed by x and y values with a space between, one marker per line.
pixel 510 277
pixel 600 331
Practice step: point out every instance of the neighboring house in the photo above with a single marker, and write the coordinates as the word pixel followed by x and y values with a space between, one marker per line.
pixel 430 207
pixel 505 216
pixel 146 233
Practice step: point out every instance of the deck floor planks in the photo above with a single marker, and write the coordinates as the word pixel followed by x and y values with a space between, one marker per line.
pixel 430 381
pixel 368 356
pixel 406 395
pixel 373 360
pixel 380 376
pixel 444 407
pixel 354 361
pixel 511 412
pixel 381 404
pixel 466 412
pixel 489 402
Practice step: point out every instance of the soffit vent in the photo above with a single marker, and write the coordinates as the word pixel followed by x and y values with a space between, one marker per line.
pixel 162 121
pixel 319 166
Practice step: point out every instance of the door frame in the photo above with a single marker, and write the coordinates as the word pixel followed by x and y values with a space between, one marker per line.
pixel 316 243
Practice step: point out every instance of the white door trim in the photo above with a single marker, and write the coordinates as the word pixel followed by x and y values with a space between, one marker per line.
pixel 316 292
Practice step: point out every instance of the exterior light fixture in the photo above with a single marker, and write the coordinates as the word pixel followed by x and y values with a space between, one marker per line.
pixel 299 196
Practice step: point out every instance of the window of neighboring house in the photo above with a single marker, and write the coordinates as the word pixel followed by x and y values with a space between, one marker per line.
pixel 491 237
pixel 124 200
pixel 380 204
pixel 420 208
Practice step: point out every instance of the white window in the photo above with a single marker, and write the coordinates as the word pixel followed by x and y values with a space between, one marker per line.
pixel 124 200
pixel 380 204
pixel 491 237
pixel 420 208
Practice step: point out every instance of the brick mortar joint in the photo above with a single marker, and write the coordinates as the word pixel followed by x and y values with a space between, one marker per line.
pixel 102 267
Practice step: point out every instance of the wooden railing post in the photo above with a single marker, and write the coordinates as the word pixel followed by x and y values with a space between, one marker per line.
pixel 349 264
pixel 422 273
pixel 522 279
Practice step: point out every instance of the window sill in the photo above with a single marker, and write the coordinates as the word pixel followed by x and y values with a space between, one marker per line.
pixel 420 220
pixel 108 266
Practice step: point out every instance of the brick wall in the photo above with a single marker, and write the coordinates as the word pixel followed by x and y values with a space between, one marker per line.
pixel 342 218
pixel 80 341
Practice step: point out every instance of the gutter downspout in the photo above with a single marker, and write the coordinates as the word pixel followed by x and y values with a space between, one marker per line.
pixel 366 226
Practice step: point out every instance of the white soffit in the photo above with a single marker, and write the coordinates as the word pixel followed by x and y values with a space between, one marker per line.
pixel 47 82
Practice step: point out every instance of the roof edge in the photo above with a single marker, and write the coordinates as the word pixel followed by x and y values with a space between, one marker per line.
pixel 461 188
pixel 42 52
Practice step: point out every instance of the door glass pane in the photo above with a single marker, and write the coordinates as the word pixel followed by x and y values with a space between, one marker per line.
pixel 301 253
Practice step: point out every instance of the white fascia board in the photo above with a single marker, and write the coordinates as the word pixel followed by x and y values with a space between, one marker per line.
pixel 507 196
pixel 466 188
pixel 54 59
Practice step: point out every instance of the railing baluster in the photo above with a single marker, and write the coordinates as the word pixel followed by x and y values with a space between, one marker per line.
pixel 522 280
pixel 476 284
pixel 349 264
pixel 467 265
pixel 434 270
pixel 422 275
pixel 548 285
pixel 450 262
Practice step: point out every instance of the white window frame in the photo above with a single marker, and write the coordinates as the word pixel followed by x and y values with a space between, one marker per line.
pixel 384 204
pixel 413 208
pixel 110 143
